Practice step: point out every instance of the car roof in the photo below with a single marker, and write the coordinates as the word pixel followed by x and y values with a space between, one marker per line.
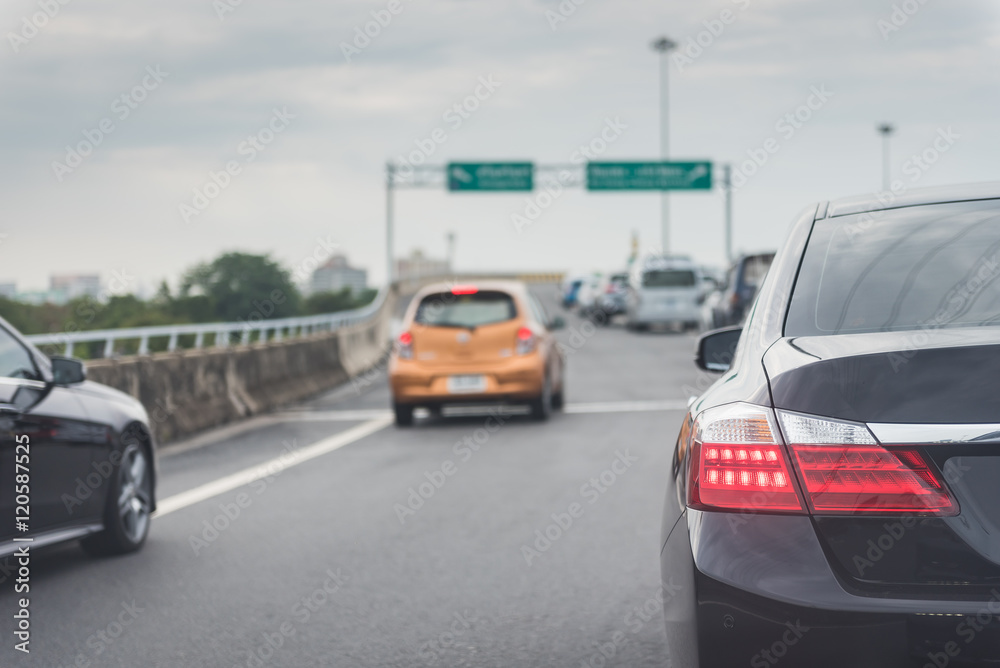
pixel 967 192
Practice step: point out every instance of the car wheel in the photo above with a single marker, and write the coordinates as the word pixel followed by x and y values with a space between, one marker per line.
pixel 404 415
pixel 557 397
pixel 541 407
pixel 128 506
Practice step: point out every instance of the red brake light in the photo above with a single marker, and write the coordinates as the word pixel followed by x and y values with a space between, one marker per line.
pixel 464 290
pixel 524 334
pixel 738 463
pixel 850 479
pixel 405 347
pixel 845 471
pixel 526 341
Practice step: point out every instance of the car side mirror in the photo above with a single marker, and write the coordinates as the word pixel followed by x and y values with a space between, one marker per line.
pixel 557 323
pixel 68 371
pixel 716 349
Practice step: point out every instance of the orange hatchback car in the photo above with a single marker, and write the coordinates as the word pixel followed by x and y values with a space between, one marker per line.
pixel 485 343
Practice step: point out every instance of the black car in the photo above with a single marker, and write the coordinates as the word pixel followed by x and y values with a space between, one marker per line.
pixel 77 459
pixel 835 495
pixel 742 282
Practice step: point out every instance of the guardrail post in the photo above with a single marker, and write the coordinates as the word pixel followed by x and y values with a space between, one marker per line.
pixel 69 349
pixel 172 343
pixel 199 340
pixel 109 347
pixel 144 345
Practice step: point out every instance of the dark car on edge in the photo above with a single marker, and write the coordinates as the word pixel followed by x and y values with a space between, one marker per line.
pixel 78 454
pixel 835 495
pixel 744 279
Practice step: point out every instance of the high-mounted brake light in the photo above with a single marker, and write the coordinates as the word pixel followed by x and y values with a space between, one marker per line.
pixel 845 471
pixel 404 347
pixel 738 463
pixel 464 290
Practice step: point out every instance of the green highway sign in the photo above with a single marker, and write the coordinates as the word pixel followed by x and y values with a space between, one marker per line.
pixel 477 176
pixel 649 175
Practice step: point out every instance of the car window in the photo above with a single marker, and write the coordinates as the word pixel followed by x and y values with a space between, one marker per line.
pixel 15 361
pixel 472 310
pixel 668 278
pixel 912 268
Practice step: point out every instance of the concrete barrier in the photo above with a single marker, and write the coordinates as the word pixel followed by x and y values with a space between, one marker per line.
pixel 188 391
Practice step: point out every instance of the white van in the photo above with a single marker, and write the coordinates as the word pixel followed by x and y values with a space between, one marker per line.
pixel 665 290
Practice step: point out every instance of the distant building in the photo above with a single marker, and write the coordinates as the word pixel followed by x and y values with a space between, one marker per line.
pixel 64 288
pixel 418 266
pixel 336 274
pixel 8 290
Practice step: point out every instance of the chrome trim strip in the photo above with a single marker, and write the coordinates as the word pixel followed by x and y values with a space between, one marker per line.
pixel 931 434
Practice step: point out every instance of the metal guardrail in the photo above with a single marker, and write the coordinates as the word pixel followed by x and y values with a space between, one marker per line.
pixel 267 330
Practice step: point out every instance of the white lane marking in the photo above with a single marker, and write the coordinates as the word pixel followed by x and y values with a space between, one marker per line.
pixel 268 468
pixel 627 406
pixel 597 407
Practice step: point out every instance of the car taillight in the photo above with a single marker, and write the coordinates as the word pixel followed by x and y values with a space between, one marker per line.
pixel 526 341
pixel 404 347
pixel 738 463
pixel 845 471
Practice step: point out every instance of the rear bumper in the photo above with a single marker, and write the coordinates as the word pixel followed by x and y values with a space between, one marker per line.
pixel 759 591
pixel 514 379
pixel 646 313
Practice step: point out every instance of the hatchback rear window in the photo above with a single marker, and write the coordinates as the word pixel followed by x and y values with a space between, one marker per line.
pixel 925 267
pixel 668 278
pixel 474 310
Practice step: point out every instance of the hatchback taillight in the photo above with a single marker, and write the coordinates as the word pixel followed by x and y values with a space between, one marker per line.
pixel 740 462
pixel 526 341
pixel 404 346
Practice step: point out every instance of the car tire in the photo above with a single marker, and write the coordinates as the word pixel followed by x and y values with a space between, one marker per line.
pixel 541 407
pixel 558 400
pixel 128 505
pixel 404 414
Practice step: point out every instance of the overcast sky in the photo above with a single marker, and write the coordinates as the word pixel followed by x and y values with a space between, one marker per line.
pixel 220 76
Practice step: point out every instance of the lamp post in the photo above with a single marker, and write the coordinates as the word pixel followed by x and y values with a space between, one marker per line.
pixel 664 46
pixel 886 130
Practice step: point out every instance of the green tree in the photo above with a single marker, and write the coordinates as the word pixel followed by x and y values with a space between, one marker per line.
pixel 240 285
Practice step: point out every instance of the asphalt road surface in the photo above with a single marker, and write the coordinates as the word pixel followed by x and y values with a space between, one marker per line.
pixel 367 545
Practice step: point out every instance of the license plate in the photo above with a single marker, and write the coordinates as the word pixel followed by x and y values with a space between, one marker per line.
pixel 466 384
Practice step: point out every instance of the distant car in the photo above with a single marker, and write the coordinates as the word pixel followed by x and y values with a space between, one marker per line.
pixel 609 299
pixel 728 306
pixel 78 454
pixel 834 498
pixel 571 292
pixel 485 343
pixel 664 290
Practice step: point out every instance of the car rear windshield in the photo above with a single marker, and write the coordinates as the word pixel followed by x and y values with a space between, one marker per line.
pixel 445 309
pixel 668 278
pixel 925 267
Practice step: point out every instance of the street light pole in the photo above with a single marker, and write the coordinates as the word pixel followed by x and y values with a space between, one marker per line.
pixel 390 182
pixel 886 131
pixel 664 46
